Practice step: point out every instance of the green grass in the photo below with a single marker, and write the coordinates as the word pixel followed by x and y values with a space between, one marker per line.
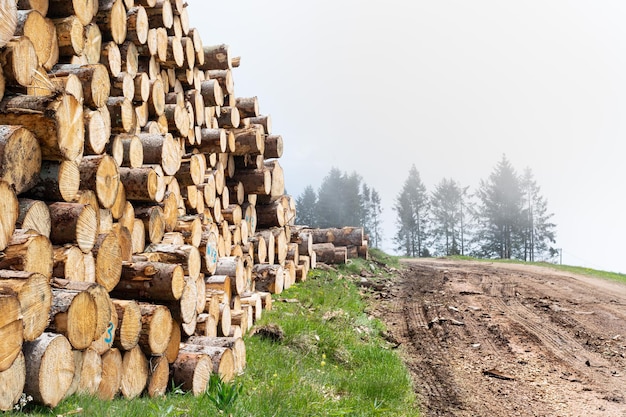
pixel 331 361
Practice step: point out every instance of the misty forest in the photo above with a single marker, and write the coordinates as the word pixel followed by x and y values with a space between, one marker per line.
pixel 505 217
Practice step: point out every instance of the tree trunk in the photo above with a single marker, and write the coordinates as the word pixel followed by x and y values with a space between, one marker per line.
pixel 48 358
pixel 100 173
pixel 153 222
pixel 19 61
pixel 232 266
pixel 108 254
pixel 69 263
pixel 94 79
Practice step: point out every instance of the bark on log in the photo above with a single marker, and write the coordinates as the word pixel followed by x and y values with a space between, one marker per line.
pixel 142 184
pixel 233 267
pixel 111 19
pixel 48 355
pixel 153 222
pixel 216 57
pixel 35 298
pixel 255 181
pixel 57 181
pixel 346 236
pixel 57 122
pixel 70 35
pixel 161 149
pixel 83 9
pixel 249 141
pixel 150 280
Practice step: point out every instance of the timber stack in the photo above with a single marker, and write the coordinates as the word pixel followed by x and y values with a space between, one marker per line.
pixel 143 216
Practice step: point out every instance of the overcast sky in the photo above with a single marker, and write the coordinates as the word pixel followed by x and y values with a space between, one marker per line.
pixel 450 86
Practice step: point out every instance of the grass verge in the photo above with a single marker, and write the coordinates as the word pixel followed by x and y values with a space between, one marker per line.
pixel 327 359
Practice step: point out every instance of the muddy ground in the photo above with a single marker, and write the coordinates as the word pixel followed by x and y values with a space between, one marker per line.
pixel 488 339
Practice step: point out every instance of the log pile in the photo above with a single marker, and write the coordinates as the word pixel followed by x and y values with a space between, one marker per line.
pixel 143 218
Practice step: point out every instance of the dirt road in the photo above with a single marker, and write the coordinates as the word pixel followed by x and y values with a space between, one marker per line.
pixel 486 339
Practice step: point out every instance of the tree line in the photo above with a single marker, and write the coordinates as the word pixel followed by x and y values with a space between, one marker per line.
pixel 505 217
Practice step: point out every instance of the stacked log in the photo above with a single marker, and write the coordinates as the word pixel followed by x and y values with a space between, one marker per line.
pixel 143 215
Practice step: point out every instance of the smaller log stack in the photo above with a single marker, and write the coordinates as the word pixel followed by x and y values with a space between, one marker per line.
pixel 143 219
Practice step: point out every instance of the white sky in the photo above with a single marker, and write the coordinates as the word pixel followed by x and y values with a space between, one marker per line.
pixel 449 86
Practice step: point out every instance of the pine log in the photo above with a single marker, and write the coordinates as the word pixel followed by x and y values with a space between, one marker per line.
pixel 34 215
pixel 20 158
pixel 35 298
pixel 19 62
pixel 142 184
pixel 94 79
pixel 158 376
pixel 123 116
pixel 73 222
pixel 112 370
pixel 100 173
pixel 270 215
pixel 249 141
pixel 97 130
pixel 153 222
pixel 150 280
pixel 186 255
pixel 28 251
pixel 155 329
pixel 222 358
pixel 173 346
pixel 111 58
pixel 161 149
pixel 105 341
pixel 268 278
pixel 12 381
pixel 134 373
pixel 123 85
pixel 255 181
pixel 132 151
pixel 345 236
pixel 42 33
pixel 212 93
pixel 93 44
pixel 69 263
pixel 156 101
pixel 70 35
pixel 48 355
pixel 191 371
pixel 248 106
pixel 130 58
pixel 129 324
pixel 191 229
pixel 83 9
pixel 233 267
pixel 270 244
pixel 302 270
pixel 111 19
pixel 90 372
pixel 57 122
pixel 206 325
pixel 11 329
pixel 290 273
pixel 216 57
pixel 209 249
pixel 108 254
pixel 57 181
pixel 253 299
pixel 125 240
pixel 273 146
pixel 324 252
pixel 137 25
pixel 237 346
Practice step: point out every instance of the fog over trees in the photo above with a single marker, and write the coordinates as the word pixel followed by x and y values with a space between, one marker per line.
pixel 505 217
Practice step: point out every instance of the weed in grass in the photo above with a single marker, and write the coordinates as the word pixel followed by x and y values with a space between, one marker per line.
pixel 221 394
